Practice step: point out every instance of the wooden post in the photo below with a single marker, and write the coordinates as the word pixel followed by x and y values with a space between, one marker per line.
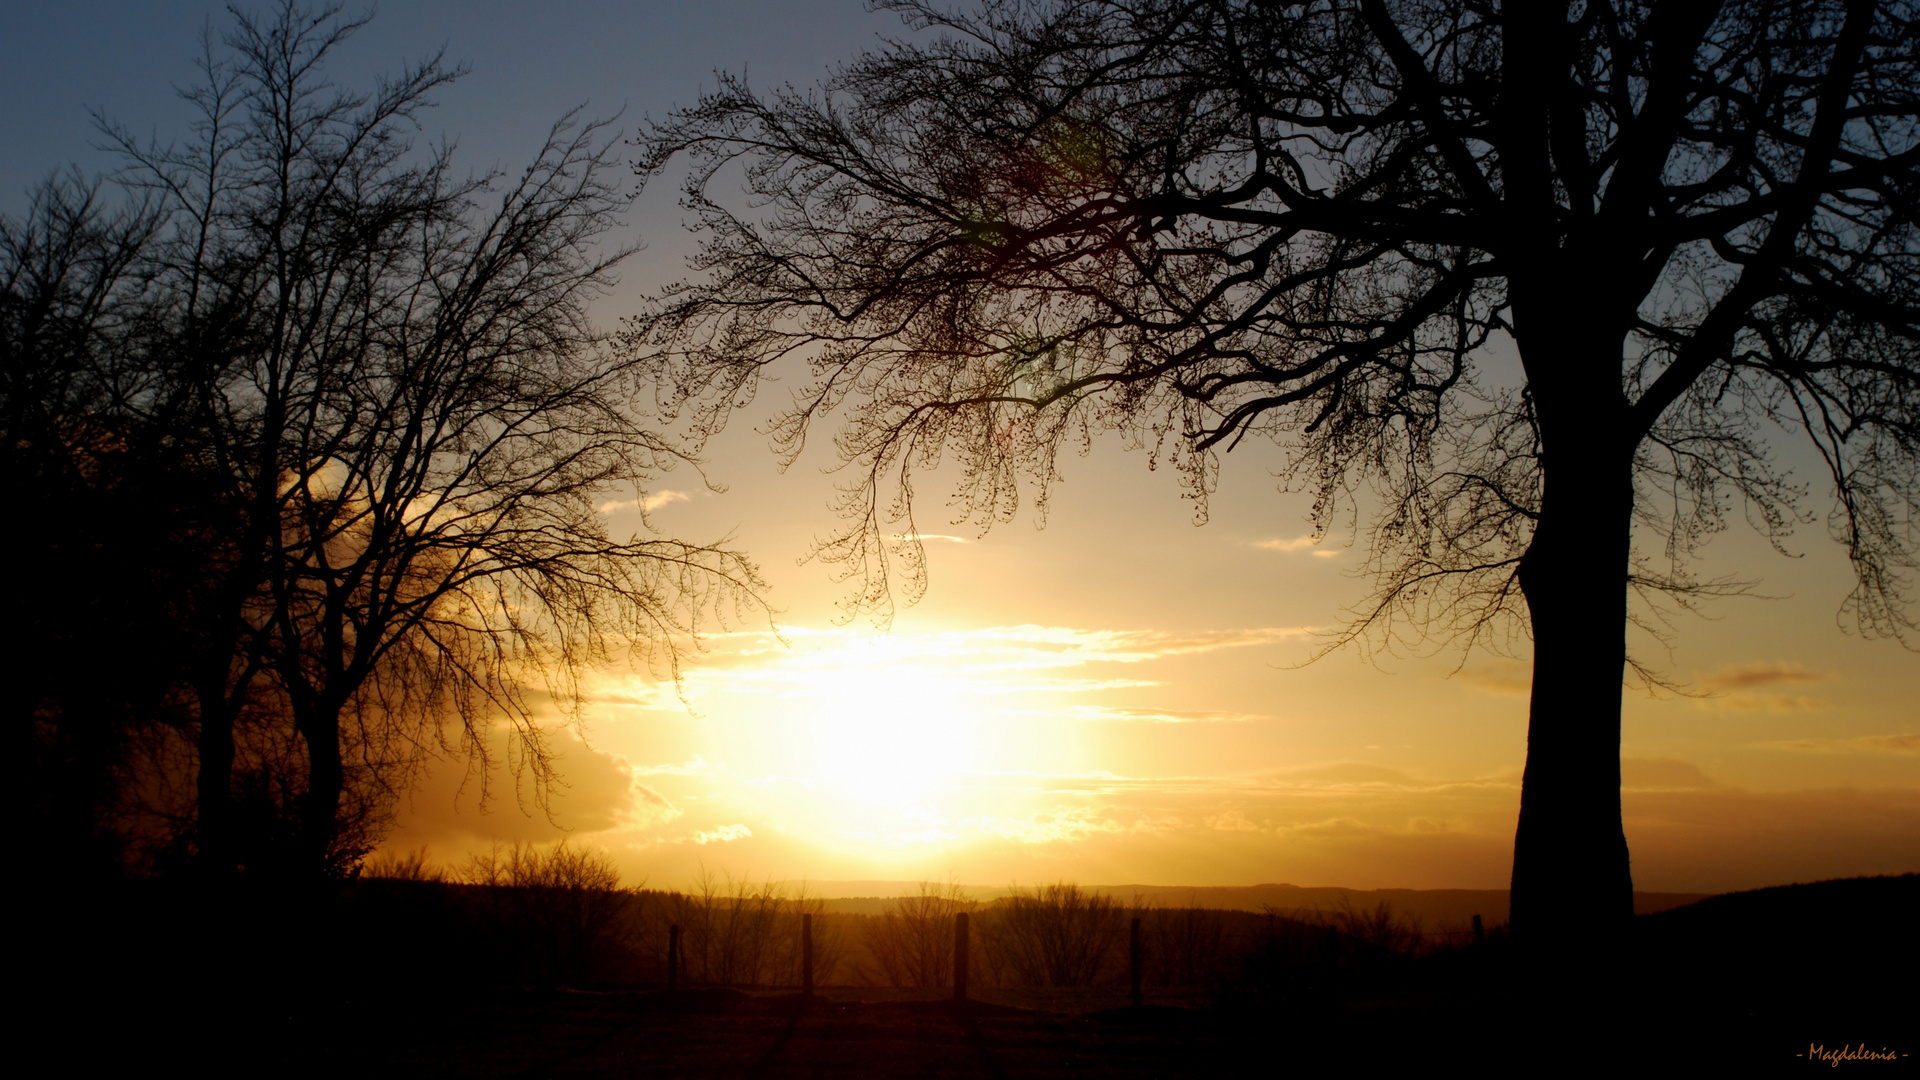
pixel 1332 985
pixel 1135 961
pixel 960 956
pixel 673 956
pixel 806 956
pixel 1479 932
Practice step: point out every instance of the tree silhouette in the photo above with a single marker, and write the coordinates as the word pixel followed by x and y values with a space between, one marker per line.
pixel 96 566
pixel 391 423
pixel 1323 225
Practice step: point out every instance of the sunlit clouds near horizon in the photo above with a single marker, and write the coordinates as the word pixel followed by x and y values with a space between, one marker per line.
pixel 1008 753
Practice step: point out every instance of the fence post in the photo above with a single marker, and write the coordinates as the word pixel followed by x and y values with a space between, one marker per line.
pixel 806 955
pixel 960 956
pixel 1333 960
pixel 673 957
pixel 1479 932
pixel 1135 960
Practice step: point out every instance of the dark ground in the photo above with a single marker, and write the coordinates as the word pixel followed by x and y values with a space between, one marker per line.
pixel 721 1033
pixel 1745 984
pixel 724 1033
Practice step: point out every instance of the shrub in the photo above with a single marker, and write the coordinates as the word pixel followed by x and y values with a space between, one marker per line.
pixel 1054 935
pixel 553 916
pixel 412 866
pixel 737 933
pixel 912 944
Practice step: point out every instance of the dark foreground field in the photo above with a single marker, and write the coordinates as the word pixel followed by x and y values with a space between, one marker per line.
pixel 1752 981
pixel 1672 1019
pixel 842 1032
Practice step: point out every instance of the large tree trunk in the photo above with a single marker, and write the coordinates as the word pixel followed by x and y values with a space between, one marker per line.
pixel 326 780
pixel 1571 878
pixel 213 785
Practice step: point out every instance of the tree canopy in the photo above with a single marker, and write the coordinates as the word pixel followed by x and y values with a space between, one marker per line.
pixel 340 426
pixel 1325 224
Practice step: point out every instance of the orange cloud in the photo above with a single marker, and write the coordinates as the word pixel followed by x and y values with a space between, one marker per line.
pixel 1662 774
pixel 1345 774
pixel 1740 688
pixel 1757 675
pixel 1232 821
pixel 596 792
pixel 722 835
pixel 1507 678
pixel 997 660
pixel 1865 744
pixel 1105 713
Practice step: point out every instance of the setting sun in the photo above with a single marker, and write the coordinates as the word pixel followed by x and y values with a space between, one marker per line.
pixel 888 736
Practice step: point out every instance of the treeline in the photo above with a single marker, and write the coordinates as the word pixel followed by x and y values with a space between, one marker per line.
pixel 303 431
pixel 558 917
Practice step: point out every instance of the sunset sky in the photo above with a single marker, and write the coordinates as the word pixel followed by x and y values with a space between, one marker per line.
pixel 1119 697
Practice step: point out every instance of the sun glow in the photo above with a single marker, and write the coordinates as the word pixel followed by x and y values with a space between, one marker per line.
pixel 905 745
pixel 893 737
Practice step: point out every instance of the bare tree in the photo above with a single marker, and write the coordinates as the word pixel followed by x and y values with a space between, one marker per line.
pixel 398 421
pixel 912 943
pixel 93 539
pixel 1187 946
pixel 556 914
pixel 1201 223
pixel 1054 935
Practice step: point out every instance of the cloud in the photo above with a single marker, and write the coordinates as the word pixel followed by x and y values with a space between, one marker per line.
pixel 1067 826
pixel 1061 686
pixel 696 767
pixel 1865 744
pixel 1298 543
pixel 638 695
pixel 1741 688
pixel 1333 829
pixel 812 662
pixel 1232 821
pixel 1762 703
pixel 1507 678
pixel 1115 714
pixel 1755 676
pixel 1069 646
pixel 1353 823
pixel 722 835
pixel 645 503
pixel 595 792
pixel 1103 784
pixel 1734 688
pixel 649 807
pixel 1662 774
pixel 1061 826
pixel 924 537
pixel 1345 774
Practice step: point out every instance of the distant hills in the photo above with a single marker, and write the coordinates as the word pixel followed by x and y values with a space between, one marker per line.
pixel 1435 908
